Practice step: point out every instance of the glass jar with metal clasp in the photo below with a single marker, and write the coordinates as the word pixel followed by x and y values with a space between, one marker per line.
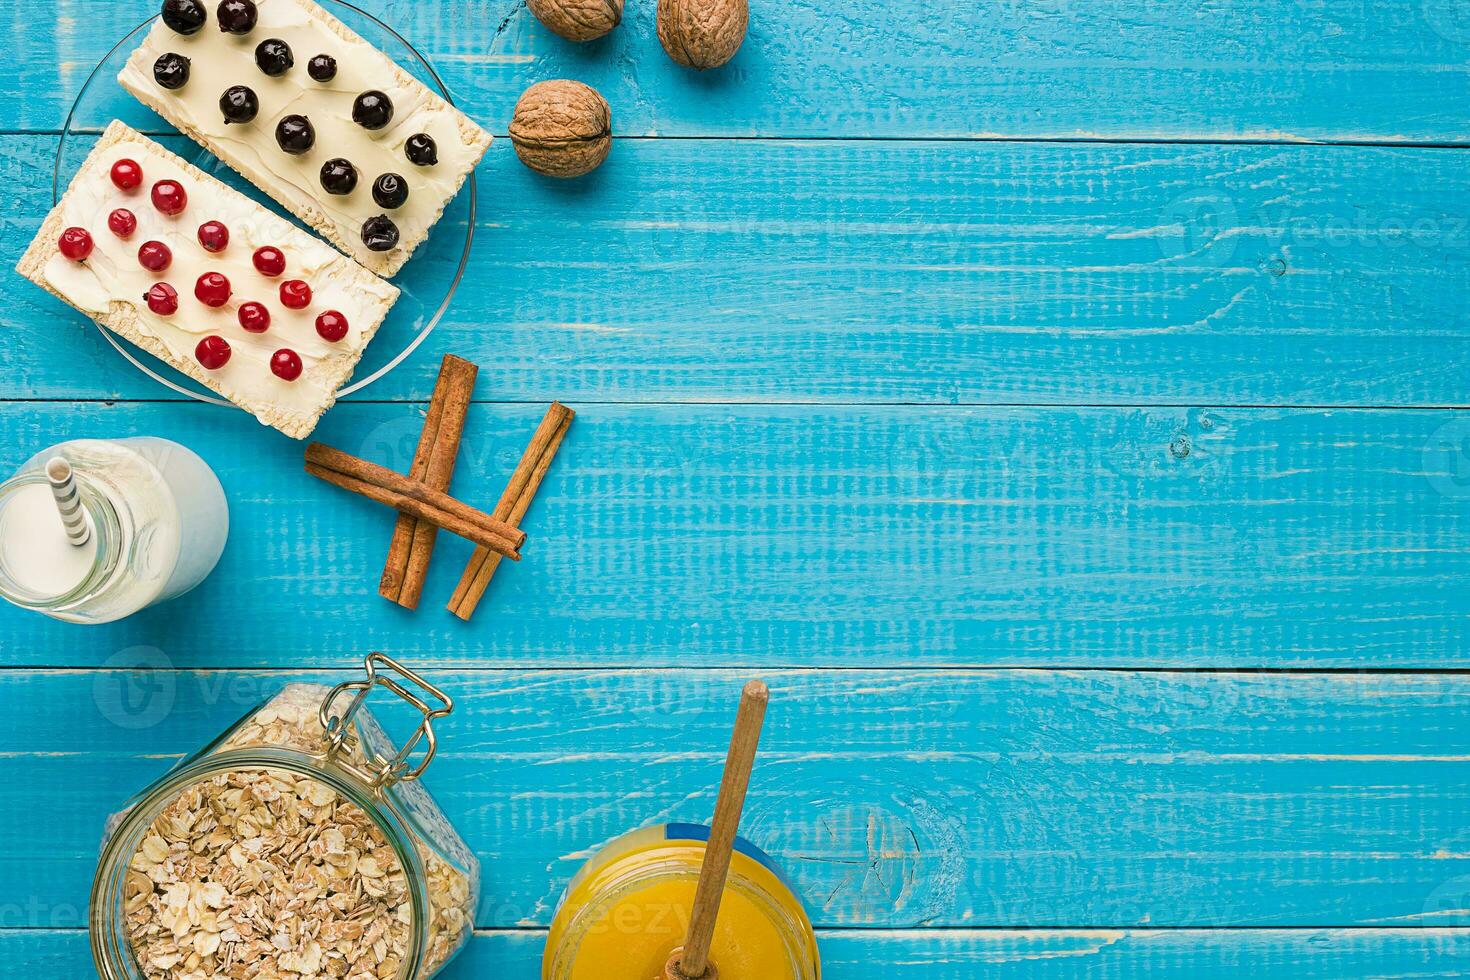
pixel 300 841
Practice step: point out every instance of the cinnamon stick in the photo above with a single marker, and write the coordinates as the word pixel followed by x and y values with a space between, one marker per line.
pixel 407 565
pixel 403 494
pixel 395 567
pixel 513 505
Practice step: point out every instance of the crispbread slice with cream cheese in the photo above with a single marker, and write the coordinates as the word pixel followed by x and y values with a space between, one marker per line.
pixel 111 283
pixel 217 61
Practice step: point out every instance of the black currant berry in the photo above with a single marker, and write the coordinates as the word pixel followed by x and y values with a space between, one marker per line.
pixel 372 110
pixel 380 234
pixel 171 71
pixel 237 16
pixel 339 176
pixel 184 16
pixel 239 104
pixel 322 68
pixel 390 191
pixel 274 57
pixel 422 150
pixel 295 135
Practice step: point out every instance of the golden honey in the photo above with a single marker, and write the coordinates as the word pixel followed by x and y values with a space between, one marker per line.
pixel 629 907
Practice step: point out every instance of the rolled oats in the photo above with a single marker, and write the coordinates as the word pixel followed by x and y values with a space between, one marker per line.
pixel 259 874
pixel 269 874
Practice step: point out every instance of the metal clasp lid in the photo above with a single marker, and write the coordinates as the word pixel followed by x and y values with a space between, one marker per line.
pixel 337 727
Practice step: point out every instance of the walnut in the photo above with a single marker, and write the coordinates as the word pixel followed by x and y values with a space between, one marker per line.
pixel 702 33
pixel 562 128
pixel 578 20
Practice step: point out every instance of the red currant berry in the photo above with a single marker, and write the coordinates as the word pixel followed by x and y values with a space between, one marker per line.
pixel 214 236
pixel 169 197
pixel 123 223
pixel 155 256
pixel 212 289
pixel 254 317
pixel 162 299
pixel 127 175
pixel 286 364
pixel 295 295
pixel 76 244
pixel 332 326
pixel 269 261
pixel 213 352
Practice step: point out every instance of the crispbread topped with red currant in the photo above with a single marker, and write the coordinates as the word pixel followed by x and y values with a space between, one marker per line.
pixel 312 114
pixel 206 279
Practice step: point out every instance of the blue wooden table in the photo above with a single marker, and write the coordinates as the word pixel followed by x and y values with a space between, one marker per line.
pixel 1058 402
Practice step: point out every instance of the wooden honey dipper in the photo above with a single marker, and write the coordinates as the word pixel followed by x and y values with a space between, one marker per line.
pixel 691 961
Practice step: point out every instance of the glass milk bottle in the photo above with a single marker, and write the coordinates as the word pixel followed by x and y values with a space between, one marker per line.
pixel 156 522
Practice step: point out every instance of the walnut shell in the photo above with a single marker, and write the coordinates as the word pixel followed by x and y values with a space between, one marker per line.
pixel 578 20
pixel 702 33
pixel 562 128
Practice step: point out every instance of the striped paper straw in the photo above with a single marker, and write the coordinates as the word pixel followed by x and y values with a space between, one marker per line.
pixel 68 501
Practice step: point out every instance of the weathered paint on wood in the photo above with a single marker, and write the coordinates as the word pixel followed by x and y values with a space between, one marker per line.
pixel 1307 954
pixel 1253 69
pixel 894 272
pixel 916 272
pixel 894 800
pixel 769 536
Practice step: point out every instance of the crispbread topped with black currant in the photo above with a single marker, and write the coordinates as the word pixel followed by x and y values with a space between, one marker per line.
pixel 312 114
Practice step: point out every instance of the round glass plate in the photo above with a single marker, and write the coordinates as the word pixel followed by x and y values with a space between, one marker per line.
pixel 428 282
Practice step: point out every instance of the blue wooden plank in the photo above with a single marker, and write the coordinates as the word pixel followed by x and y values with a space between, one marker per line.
pixel 937 273
pixel 768 535
pixel 1318 954
pixel 1253 69
pixel 893 799
pixel 1011 273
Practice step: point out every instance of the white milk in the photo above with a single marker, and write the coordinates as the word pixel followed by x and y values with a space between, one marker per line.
pixel 159 522
pixel 34 547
